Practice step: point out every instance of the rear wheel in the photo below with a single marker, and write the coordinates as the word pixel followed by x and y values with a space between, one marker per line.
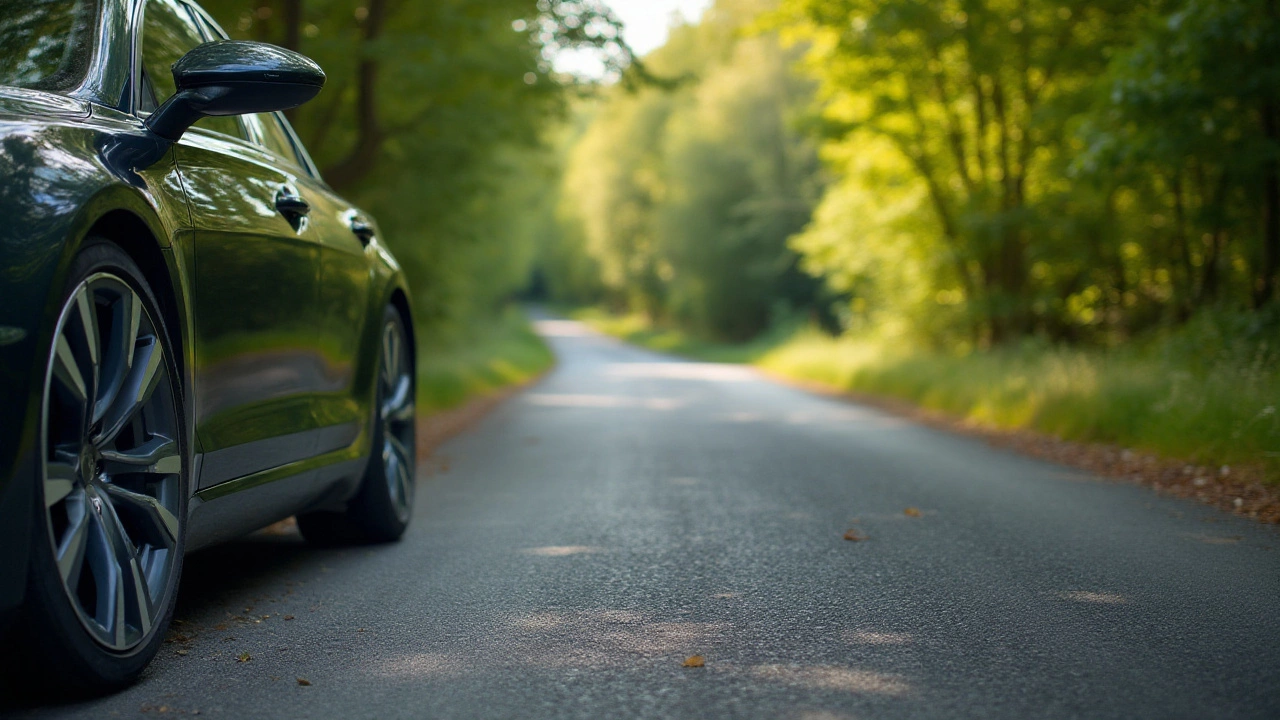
pixel 383 506
pixel 112 497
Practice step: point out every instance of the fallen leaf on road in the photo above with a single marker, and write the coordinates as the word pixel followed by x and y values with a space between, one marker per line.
pixel 181 652
pixel 853 535
pixel 303 682
pixel 288 617
pixel 911 512
pixel 695 661
pixel 243 657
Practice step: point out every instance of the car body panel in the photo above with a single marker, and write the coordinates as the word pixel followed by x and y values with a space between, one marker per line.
pixel 61 178
pixel 67 163
pixel 258 363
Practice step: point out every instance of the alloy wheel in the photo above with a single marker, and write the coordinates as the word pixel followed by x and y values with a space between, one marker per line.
pixel 112 464
pixel 396 418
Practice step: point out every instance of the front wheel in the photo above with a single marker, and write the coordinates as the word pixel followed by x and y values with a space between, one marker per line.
pixel 112 484
pixel 383 506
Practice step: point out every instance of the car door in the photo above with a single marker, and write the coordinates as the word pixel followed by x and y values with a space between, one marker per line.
pixel 341 235
pixel 259 367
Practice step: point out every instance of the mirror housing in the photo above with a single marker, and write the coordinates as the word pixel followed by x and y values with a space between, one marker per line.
pixel 234 77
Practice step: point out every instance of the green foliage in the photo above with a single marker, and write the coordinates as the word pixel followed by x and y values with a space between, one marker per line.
pixel 432 119
pixel 1192 395
pixel 683 197
pixel 491 357
pixel 1078 170
pixel 1208 392
pixel 975 100
pixel 640 330
pixel 1186 144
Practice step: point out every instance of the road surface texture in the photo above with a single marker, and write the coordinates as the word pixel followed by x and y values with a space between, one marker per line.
pixel 631 510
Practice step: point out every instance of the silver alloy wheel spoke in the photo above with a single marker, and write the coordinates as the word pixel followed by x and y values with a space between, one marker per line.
pixel 158 516
pixel 59 481
pixel 71 552
pixel 157 455
pixel 394 468
pixel 130 584
pixel 398 449
pixel 118 360
pixel 405 485
pixel 136 391
pixel 89 335
pixel 399 405
pixel 396 414
pixel 106 572
pixel 67 371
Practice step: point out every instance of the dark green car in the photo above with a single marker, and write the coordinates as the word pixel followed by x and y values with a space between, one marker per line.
pixel 197 336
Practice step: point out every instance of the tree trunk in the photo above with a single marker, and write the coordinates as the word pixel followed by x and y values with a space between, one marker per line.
pixel 360 160
pixel 292 24
pixel 1265 287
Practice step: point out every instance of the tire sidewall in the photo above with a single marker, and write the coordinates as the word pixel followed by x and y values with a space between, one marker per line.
pixel 373 509
pixel 56 637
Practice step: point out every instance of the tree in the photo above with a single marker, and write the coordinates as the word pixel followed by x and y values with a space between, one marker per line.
pixel 977 97
pixel 432 118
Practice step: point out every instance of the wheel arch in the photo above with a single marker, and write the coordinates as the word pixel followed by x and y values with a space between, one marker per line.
pixel 132 234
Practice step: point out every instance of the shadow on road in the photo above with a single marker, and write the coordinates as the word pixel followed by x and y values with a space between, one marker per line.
pixel 211 578
pixel 215 583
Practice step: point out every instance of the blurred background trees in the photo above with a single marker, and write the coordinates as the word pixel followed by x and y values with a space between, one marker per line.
pixel 961 172
pixel 1075 170
pixel 685 196
pixel 433 118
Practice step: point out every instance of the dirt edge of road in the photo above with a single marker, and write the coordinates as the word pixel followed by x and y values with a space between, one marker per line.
pixel 437 428
pixel 1239 490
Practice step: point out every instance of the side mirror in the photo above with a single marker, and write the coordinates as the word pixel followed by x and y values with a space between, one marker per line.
pixel 234 77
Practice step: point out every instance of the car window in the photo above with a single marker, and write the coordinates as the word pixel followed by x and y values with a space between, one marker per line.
pixel 168 33
pixel 277 140
pixel 46 44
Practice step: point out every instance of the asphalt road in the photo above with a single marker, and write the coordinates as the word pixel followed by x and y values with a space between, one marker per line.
pixel 632 510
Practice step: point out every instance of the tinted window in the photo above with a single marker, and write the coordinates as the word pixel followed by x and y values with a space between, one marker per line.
pixel 277 140
pixel 168 32
pixel 46 44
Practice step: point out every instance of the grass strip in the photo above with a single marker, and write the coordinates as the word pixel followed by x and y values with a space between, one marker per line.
pixel 493 356
pixel 1204 403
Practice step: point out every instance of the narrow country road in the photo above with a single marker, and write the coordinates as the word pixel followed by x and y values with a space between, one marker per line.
pixel 632 510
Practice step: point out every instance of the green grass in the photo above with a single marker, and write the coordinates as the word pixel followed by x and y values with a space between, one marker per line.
pixel 494 356
pixel 636 329
pixel 1193 398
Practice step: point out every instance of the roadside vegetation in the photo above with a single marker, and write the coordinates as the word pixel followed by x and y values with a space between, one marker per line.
pixel 497 355
pixel 1060 216
pixel 1196 394
pixel 434 119
pixel 1054 214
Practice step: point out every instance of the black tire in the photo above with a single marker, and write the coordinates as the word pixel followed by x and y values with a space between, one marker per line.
pixel 123 499
pixel 383 506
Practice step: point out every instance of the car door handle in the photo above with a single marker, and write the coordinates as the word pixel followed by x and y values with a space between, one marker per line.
pixel 362 229
pixel 290 203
